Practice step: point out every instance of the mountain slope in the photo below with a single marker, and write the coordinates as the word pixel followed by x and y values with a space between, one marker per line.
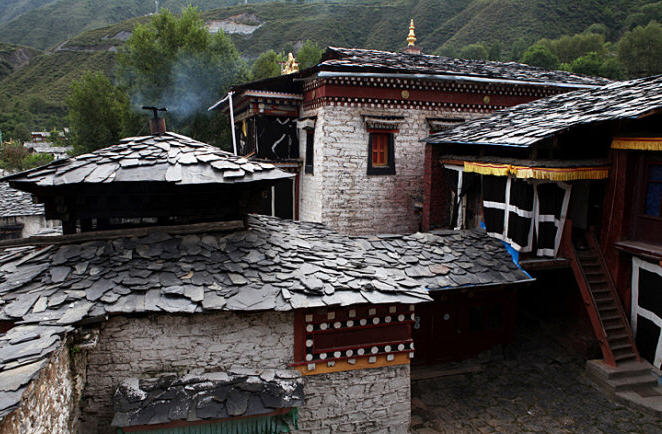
pixel 58 20
pixel 10 9
pixel 13 57
pixel 254 28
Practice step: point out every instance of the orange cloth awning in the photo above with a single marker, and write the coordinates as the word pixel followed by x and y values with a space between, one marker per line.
pixel 545 173
pixel 637 143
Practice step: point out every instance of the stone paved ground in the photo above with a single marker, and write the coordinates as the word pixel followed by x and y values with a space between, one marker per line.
pixel 534 385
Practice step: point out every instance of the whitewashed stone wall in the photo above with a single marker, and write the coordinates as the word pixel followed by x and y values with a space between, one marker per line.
pixel 371 400
pixel 342 195
pixel 144 347
pixel 363 401
pixel 310 192
pixel 49 404
pixel 32 225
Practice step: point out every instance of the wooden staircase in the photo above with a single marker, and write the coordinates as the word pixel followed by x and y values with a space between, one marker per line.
pixel 604 308
pixel 622 374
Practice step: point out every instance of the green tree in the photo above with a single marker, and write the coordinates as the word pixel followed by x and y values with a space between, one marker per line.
pixel 639 50
pixel 447 51
pixel 645 14
pixel 474 51
pixel 612 68
pixel 568 48
pixel 495 51
pixel 598 28
pixel 35 160
pixel 266 65
pixel 21 133
pixel 309 55
pixel 175 62
pixel 97 112
pixel 539 55
pixel 518 49
pixel 590 64
pixel 11 156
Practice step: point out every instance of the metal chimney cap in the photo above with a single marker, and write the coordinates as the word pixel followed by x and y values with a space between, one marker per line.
pixel 155 110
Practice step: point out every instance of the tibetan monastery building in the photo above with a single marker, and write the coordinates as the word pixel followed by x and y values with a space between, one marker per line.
pixel 350 128
pixel 573 180
pixel 166 308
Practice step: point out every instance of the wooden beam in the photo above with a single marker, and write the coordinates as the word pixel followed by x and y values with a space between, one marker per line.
pixel 124 233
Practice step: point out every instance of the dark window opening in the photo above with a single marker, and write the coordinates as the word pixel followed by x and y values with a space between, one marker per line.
pixel 381 154
pixel 653 205
pixel 310 151
pixel 476 318
pixel 11 231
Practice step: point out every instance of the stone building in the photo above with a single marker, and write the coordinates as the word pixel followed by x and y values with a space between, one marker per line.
pixel 574 182
pixel 20 217
pixel 351 127
pixel 218 319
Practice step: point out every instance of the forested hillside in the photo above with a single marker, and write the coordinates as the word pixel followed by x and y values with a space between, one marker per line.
pixel 57 20
pixel 496 29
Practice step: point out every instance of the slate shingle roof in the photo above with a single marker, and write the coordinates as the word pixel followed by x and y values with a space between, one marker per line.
pixel 526 124
pixel 213 395
pixel 385 61
pixel 15 203
pixel 167 157
pixel 275 265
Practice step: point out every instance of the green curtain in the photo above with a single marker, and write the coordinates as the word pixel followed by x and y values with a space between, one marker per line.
pixel 277 424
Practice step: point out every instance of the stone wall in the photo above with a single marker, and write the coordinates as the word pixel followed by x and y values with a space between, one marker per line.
pixel 368 400
pixel 310 203
pixel 342 195
pixel 49 403
pixel 32 225
pixel 147 346
pixel 371 400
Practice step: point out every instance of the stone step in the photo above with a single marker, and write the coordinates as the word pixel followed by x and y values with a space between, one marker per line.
pixel 623 384
pixel 603 371
pixel 647 399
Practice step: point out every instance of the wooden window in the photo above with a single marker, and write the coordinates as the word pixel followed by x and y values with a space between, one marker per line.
pixel 653 204
pixel 310 151
pixel 379 150
pixel 381 153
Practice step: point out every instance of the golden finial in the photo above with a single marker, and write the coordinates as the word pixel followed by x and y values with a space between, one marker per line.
pixel 289 66
pixel 411 37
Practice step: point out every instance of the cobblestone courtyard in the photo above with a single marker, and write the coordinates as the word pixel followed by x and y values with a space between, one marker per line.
pixel 535 385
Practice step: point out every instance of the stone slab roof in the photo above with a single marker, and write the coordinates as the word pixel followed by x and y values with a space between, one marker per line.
pixel 274 265
pixel 527 124
pixel 166 157
pixel 15 203
pixel 385 61
pixel 213 395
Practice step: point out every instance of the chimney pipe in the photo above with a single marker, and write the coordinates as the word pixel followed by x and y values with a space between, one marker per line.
pixel 156 124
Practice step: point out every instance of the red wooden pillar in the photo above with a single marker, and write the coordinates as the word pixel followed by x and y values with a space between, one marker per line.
pixel 435 192
pixel 617 220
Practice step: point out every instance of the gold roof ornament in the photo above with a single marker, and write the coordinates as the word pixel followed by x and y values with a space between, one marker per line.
pixel 411 37
pixel 289 66
pixel 411 40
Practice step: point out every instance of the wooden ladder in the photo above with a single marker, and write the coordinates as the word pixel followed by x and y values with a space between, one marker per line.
pixel 602 303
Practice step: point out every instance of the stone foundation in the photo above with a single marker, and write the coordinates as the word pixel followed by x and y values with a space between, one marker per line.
pixel 370 400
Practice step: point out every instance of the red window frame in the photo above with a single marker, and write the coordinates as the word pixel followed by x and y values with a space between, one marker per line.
pixel 380 149
pixel 381 152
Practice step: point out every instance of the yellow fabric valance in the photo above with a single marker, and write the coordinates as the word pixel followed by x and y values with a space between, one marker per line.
pixel 546 173
pixel 637 143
